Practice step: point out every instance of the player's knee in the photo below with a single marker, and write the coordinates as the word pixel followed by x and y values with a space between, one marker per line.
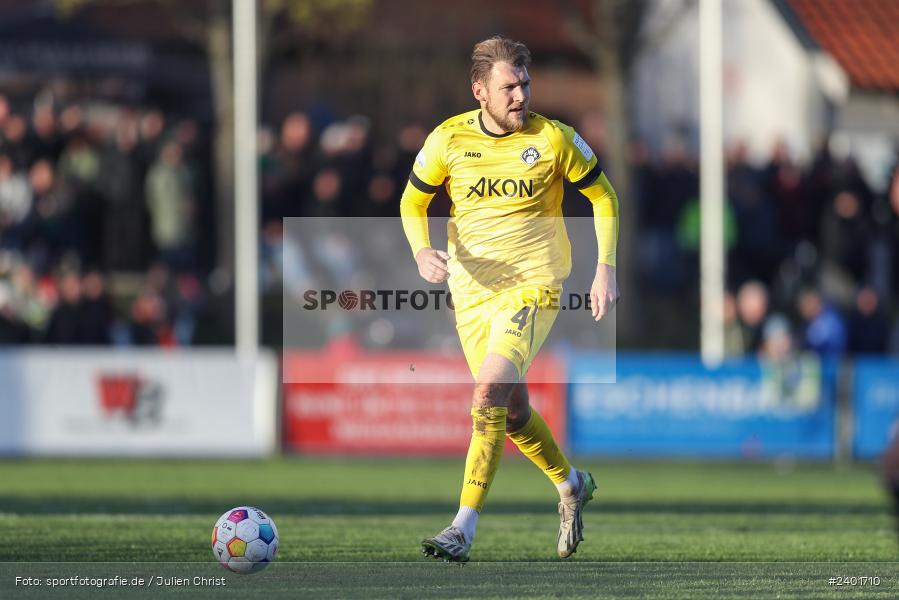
pixel 491 394
pixel 517 417
pixel 519 408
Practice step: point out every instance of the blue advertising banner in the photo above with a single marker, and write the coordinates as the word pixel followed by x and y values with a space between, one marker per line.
pixel 875 405
pixel 667 405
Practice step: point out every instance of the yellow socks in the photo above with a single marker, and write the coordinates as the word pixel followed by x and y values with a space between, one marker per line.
pixel 488 435
pixel 535 441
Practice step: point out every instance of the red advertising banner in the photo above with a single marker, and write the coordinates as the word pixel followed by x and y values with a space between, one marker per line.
pixel 390 413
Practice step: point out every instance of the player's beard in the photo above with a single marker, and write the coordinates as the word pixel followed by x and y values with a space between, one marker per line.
pixel 508 121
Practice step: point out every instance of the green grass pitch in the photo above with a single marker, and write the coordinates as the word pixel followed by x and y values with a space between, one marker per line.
pixel 351 528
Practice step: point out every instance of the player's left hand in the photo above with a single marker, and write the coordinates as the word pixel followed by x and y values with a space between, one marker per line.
pixel 603 292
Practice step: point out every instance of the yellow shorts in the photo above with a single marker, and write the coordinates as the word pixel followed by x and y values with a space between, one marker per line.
pixel 513 324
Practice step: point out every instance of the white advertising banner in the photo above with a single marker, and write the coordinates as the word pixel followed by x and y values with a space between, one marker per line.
pixel 137 403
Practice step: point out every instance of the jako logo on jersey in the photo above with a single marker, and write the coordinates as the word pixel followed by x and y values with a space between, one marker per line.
pixel 530 156
pixel 472 155
pixel 502 187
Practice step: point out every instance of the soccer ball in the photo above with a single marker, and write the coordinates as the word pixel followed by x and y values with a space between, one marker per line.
pixel 244 540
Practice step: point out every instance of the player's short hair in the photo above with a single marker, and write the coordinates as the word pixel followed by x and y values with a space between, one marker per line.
pixel 497 49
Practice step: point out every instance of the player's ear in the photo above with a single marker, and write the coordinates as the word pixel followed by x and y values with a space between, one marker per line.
pixel 479 90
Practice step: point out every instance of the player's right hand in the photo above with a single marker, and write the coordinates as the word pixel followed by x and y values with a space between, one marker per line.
pixel 432 265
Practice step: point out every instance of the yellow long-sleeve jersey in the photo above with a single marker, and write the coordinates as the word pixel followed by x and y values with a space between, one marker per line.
pixel 506 228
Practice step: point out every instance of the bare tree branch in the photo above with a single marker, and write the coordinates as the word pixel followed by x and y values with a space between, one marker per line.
pixel 652 40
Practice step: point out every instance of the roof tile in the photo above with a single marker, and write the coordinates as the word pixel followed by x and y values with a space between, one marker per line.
pixel 862 35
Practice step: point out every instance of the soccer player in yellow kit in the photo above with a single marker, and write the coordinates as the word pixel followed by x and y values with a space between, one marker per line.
pixel 507 258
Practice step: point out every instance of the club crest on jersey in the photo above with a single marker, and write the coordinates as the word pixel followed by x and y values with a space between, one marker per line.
pixel 530 156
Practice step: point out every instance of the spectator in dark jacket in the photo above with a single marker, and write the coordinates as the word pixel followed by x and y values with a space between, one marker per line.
pixel 868 326
pixel 66 325
pixel 96 310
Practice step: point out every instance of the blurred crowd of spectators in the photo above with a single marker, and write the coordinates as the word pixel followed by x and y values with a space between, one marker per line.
pixel 88 190
pixel 813 252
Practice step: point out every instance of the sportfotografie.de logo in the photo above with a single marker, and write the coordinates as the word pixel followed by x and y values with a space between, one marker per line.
pixel 419 300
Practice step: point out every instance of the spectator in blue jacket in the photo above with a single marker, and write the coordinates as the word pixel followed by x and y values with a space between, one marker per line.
pixel 824 328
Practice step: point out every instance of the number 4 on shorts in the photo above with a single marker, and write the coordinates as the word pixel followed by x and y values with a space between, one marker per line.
pixel 521 317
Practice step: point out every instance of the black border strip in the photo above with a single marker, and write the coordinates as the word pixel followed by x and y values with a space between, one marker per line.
pixel 420 185
pixel 588 179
